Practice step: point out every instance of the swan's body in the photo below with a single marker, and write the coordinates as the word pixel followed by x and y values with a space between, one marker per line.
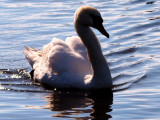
pixel 76 62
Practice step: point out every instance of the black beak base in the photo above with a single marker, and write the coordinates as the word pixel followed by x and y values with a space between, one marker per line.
pixel 97 23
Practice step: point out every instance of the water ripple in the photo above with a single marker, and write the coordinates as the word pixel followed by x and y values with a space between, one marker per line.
pixel 18 81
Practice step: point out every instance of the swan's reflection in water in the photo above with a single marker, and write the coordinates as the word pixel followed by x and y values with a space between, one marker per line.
pixel 102 101
pixel 93 105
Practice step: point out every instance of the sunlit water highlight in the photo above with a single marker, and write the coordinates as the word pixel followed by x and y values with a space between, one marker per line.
pixel 132 52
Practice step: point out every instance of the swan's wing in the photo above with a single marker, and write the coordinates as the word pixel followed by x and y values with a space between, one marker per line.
pixel 77 46
pixel 56 56
pixel 60 57
pixel 32 55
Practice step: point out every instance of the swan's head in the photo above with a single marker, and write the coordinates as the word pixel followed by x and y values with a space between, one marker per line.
pixel 89 16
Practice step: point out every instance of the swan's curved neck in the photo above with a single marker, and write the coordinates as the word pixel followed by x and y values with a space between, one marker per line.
pixel 98 61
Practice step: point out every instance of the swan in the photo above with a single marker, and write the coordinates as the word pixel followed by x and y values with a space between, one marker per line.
pixel 77 62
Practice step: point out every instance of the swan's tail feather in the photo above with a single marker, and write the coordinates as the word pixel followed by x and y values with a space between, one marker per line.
pixel 32 55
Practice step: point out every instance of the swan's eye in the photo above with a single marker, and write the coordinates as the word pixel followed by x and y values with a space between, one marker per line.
pixel 96 19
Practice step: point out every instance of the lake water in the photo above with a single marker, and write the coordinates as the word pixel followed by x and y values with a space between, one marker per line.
pixel 133 53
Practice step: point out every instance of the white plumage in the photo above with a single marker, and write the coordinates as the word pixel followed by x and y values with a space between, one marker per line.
pixel 69 63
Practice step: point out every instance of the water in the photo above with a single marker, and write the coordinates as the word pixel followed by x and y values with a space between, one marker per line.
pixel 132 52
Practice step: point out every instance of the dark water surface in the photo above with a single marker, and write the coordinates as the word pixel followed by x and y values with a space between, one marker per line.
pixel 133 53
